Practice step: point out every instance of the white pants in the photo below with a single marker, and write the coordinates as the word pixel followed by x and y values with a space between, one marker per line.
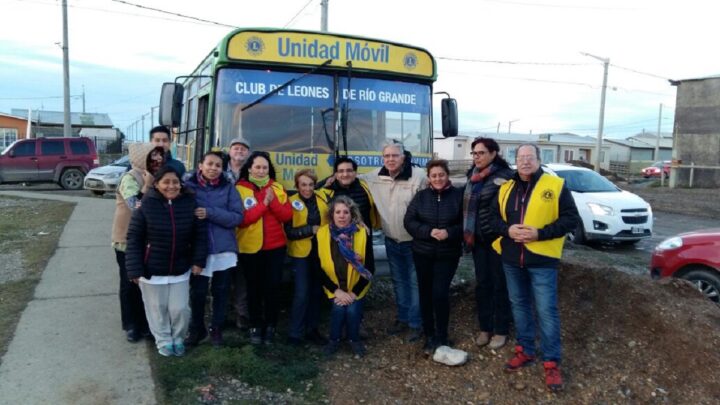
pixel 167 311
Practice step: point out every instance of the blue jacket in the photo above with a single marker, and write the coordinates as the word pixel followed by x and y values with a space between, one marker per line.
pixel 224 211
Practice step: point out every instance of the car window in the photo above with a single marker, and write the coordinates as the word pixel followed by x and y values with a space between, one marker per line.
pixel 585 181
pixel 79 148
pixel 123 161
pixel 52 147
pixel 24 149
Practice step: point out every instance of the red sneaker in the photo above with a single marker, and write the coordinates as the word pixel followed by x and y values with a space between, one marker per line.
pixel 519 360
pixel 553 379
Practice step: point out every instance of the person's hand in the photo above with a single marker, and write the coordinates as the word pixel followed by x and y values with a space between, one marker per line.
pixel 135 280
pixel 138 204
pixel 342 298
pixel 330 180
pixel 147 179
pixel 315 229
pixel 196 270
pixel 439 234
pixel 529 234
pixel 201 213
pixel 269 196
pixel 516 232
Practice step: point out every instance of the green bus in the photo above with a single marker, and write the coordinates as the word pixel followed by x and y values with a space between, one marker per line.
pixel 306 98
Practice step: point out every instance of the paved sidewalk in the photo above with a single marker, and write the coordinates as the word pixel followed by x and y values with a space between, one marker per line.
pixel 69 347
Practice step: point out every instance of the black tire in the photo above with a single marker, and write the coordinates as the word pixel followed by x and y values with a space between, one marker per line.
pixel 98 192
pixel 707 281
pixel 578 235
pixel 72 179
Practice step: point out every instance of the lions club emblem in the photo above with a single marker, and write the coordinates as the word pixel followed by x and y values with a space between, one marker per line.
pixel 548 195
pixel 250 202
pixel 298 205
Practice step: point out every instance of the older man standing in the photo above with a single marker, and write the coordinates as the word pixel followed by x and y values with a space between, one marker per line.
pixel 393 186
pixel 238 153
pixel 533 213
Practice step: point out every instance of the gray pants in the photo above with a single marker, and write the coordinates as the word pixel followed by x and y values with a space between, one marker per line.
pixel 239 291
pixel 168 311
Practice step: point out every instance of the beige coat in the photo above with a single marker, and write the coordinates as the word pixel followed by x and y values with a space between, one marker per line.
pixel 138 153
pixel 392 198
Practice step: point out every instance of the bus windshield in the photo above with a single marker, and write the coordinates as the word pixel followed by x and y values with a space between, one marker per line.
pixel 304 117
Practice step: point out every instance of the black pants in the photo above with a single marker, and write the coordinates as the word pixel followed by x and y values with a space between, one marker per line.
pixel 132 310
pixel 491 295
pixel 198 294
pixel 264 273
pixel 434 276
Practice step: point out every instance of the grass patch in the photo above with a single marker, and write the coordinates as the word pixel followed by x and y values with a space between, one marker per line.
pixel 275 368
pixel 31 230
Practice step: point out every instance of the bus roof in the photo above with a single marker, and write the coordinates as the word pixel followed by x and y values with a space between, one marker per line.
pixel 272 46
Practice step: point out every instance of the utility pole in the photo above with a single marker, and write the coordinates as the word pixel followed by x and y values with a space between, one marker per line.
pixel 152 116
pixel 83 96
pixel 67 128
pixel 498 128
pixel 510 124
pixel 657 141
pixel 601 124
pixel 324 18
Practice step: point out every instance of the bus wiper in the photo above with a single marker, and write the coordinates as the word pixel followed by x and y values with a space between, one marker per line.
pixel 289 82
pixel 331 142
pixel 346 109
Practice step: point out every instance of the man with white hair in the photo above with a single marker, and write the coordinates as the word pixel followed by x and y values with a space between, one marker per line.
pixel 392 187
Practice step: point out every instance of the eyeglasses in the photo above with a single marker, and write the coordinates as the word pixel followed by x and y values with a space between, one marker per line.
pixel 479 153
pixel 391 155
pixel 529 158
pixel 346 171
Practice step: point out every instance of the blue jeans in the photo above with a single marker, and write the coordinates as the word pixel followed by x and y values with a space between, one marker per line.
pixel 351 315
pixel 198 294
pixel 305 311
pixel 402 271
pixel 536 285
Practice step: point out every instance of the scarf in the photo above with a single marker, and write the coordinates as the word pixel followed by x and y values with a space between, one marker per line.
pixel 203 182
pixel 471 202
pixel 259 182
pixel 344 239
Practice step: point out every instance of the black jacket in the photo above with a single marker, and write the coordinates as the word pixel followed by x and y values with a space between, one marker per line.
pixel 488 196
pixel 432 209
pixel 515 253
pixel 165 238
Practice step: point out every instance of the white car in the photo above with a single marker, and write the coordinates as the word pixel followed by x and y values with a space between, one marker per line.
pixel 608 213
pixel 106 178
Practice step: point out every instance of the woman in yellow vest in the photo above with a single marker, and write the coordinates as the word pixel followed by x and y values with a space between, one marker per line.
pixel 346 280
pixel 309 213
pixel 261 242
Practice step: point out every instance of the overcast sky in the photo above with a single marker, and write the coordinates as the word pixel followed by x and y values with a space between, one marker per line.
pixel 122 53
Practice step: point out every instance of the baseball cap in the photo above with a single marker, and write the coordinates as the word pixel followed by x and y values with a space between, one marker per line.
pixel 241 141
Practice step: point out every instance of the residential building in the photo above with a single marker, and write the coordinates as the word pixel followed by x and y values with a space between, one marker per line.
pixel 12 128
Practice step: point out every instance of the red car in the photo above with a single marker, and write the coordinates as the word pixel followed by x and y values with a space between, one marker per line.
pixel 64 161
pixel 694 256
pixel 654 170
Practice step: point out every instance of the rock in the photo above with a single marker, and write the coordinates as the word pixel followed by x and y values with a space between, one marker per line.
pixel 449 356
pixel 632 344
pixel 519 386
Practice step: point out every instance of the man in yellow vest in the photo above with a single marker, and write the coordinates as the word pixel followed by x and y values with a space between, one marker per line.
pixel 533 214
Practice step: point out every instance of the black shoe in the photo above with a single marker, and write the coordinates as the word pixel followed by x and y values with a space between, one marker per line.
pixel 414 335
pixel 195 337
pixel 397 328
pixel 269 335
pixel 133 335
pixel 358 348
pixel 255 336
pixel 216 336
pixel 316 338
pixel 331 348
pixel 430 346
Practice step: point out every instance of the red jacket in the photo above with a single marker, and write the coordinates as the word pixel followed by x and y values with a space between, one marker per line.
pixel 273 215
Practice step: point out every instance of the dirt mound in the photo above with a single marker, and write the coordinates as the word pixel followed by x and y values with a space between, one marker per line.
pixel 625 339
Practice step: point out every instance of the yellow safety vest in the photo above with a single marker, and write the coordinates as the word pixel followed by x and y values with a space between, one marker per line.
pixel 328 266
pixel 374 215
pixel 542 209
pixel 301 247
pixel 250 238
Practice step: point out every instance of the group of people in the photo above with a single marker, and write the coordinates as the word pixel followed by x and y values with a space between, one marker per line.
pixel 228 227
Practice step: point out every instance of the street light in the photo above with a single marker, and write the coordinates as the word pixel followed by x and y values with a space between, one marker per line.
pixel 606 63
pixel 510 124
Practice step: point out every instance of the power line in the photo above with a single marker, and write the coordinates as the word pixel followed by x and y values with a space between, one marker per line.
pixel 297 14
pixel 36 98
pixel 174 14
pixel 510 62
pixel 639 72
pixel 520 3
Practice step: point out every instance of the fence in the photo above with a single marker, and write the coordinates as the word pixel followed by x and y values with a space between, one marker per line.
pixel 678 175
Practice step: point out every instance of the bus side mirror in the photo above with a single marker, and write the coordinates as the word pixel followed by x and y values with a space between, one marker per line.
pixel 170 104
pixel 449 117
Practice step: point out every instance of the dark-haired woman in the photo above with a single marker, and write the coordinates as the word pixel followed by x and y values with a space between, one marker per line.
pixel 261 242
pixel 165 241
pixel 218 203
pixel 434 220
pixel 489 171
